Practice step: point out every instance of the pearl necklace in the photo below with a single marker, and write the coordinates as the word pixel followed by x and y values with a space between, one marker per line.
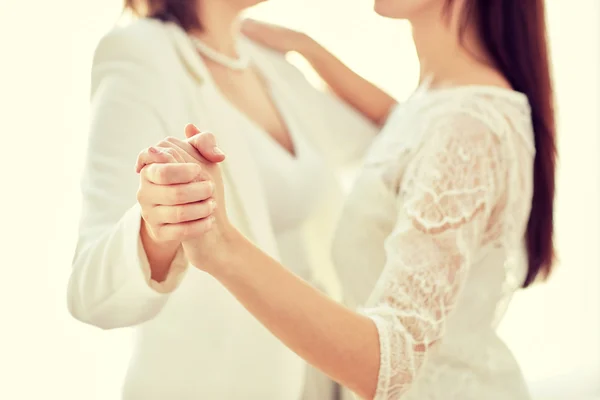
pixel 237 64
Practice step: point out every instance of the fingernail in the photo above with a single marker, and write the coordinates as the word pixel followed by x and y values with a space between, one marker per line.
pixel 153 150
pixel 213 205
pixel 218 151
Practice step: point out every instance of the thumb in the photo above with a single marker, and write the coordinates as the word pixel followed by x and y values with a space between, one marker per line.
pixel 191 130
pixel 205 143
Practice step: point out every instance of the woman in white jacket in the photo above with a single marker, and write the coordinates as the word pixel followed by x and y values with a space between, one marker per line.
pixel 148 79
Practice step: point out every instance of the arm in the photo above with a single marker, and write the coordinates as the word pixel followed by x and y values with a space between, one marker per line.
pixel 115 261
pixel 444 208
pixel 362 95
pixel 333 338
pixel 447 196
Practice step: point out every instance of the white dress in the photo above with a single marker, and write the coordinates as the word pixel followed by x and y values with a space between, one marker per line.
pixel 431 242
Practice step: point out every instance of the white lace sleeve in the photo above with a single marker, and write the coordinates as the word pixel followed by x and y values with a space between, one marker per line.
pixel 446 199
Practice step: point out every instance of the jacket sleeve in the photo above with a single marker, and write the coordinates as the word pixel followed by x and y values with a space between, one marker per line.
pixel 110 283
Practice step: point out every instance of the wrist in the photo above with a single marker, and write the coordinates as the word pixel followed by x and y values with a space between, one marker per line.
pixel 306 46
pixel 231 251
pixel 155 244
pixel 159 254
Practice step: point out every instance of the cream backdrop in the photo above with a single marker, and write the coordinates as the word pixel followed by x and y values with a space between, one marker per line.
pixel 46 49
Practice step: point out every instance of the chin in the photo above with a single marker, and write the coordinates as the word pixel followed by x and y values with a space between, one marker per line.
pixel 402 9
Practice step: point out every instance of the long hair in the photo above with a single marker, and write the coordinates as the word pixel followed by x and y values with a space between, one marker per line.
pixel 514 35
pixel 181 11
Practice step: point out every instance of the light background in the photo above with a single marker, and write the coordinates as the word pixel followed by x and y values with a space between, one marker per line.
pixel 45 54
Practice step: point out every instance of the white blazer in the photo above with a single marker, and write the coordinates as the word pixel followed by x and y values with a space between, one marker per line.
pixel 194 340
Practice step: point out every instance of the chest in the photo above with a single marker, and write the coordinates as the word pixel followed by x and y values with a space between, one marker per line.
pixel 271 188
pixel 292 182
pixel 251 96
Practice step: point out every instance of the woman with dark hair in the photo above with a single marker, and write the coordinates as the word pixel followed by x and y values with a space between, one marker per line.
pixel 451 214
pixel 184 61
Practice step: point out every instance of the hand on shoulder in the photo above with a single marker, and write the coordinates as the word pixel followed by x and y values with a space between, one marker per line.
pixel 277 37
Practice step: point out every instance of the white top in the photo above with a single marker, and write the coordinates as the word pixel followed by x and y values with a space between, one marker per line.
pixel 430 244
pixel 193 339
pixel 293 183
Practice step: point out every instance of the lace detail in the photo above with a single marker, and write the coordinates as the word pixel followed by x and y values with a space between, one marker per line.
pixel 454 198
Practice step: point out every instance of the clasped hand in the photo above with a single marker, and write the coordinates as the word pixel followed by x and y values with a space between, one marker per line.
pixel 181 195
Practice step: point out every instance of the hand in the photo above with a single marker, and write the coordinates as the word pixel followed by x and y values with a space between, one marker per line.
pixel 276 37
pixel 200 153
pixel 175 194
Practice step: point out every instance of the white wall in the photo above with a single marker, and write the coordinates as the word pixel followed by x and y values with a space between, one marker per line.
pixel 46 49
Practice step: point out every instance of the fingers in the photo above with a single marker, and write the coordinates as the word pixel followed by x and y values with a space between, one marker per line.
pixel 248 24
pixel 179 155
pixel 169 150
pixel 190 153
pixel 273 36
pixel 182 213
pixel 183 231
pixel 191 130
pixel 251 27
pixel 185 148
pixel 173 173
pixel 176 190
pixel 206 144
pixel 153 155
pixel 173 195
pixel 199 147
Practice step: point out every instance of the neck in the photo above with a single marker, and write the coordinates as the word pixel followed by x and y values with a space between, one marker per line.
pixel 220 27
pixel 444 56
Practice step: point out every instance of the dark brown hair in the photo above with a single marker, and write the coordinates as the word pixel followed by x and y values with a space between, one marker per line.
pixel 183 12
pixel 514 34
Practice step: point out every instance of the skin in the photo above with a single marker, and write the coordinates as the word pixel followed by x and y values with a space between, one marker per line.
pixel 165 225
pixel 338 341
pixel 355 90
pixel 245 90
pixel 176 198
pixel 448 61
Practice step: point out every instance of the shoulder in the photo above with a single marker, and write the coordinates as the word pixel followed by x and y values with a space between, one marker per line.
pixel 139 65
pixel 144 41
pixel 454 134
pixel 461 157
pixel 143 55
pixel 469 112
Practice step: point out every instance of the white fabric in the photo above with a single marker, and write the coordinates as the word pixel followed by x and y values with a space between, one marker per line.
pixel 293 182
pixel 194 341
pixel 430 244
